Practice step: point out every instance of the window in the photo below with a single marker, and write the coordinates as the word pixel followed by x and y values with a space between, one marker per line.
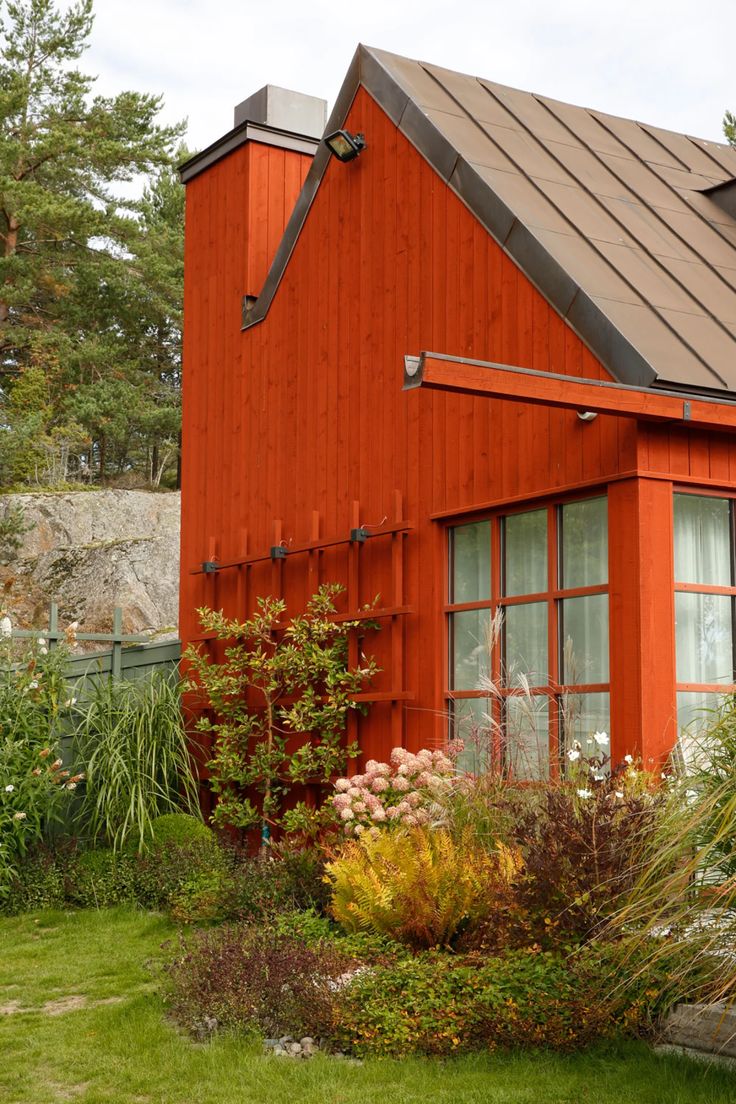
pixel 527 619
pixel 704 602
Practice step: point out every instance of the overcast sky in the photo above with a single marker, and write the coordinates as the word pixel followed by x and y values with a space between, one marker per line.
pixel 667 62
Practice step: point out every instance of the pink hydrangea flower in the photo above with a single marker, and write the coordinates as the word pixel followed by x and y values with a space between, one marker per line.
pixel 342 785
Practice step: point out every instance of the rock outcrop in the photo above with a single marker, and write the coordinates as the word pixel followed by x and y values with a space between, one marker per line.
pixel 90 551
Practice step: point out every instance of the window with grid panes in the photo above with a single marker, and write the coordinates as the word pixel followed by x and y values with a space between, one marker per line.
pixel 527 621
pixel 704 603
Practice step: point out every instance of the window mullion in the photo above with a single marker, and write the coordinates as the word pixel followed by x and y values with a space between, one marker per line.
pixel 553 658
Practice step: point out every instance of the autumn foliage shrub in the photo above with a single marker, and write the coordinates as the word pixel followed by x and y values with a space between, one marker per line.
pixel 583 846
pixel 421 886
pixel 254 980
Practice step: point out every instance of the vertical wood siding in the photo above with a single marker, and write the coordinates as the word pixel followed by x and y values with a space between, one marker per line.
pixel 299 418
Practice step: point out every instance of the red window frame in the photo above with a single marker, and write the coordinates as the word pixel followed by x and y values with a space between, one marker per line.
pixel 554 594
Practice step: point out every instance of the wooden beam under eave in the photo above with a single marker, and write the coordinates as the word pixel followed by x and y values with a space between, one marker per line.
pixel 436 372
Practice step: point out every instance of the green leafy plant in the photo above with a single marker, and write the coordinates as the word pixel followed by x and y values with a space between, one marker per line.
pixel 684 895
pixel 439 1004
pixel 132 740
pixel 420 887
pixel 35 787
pixel 277 708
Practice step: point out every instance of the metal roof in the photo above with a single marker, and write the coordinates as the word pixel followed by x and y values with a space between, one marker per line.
pixel 611 219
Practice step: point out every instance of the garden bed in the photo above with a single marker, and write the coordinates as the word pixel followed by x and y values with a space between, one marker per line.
pixel 114 1042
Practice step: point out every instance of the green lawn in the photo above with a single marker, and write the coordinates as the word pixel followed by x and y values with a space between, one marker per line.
pixel 83 1022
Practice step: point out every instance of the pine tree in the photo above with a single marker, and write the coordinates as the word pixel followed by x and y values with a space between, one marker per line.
pixel 84 299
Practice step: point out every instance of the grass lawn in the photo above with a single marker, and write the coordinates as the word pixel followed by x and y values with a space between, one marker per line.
pixel 81 1021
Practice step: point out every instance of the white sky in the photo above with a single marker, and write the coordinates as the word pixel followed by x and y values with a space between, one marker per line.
pixel 666 62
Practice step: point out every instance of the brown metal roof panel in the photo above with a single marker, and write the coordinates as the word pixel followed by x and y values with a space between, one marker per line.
pixel 654 283
pixel 707 285
pixel 523 198
pixel 658 343
pixel 652 228
pixel 417 82
pixel 642 182
pixel 472 143
pixel 587 267
pixel 588 169
pixel 581 127
pixel 635 141
pixel 722 154
pixel 714 344
pixel 529 111
pixel 529 155
pixel 668 233
pixel 703 236
pixel 687 153
pixel 727 274
pixel 474 97
pixel 684 179
pixel 586 211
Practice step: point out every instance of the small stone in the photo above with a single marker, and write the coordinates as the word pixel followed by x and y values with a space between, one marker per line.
pixel 295 1050
pixel 307 1041
pixel 278 1051
pixel 286 1039
pixel 270 1043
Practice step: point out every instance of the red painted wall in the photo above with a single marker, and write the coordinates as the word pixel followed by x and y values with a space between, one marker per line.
pixel 301 416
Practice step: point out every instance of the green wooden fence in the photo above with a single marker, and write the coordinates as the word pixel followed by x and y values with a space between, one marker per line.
pixel 128 656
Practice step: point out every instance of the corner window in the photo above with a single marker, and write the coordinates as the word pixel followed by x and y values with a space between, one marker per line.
pixel 527 619
pixel 704 603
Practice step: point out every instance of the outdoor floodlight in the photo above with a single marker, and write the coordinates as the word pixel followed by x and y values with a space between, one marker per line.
pixel 345 145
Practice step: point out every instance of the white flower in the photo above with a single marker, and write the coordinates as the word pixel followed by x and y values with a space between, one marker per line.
pixel 73 701
pixel 19 816
pixel 573 754
pixel 342 785
pixel 9 789
pixel 6 627
pixel 43 650
pixel 71 785
pixel 42 641
pixel 601 738
pixel 33 684
pixel 597 776
pixel 689 794
pixel 585 794
pixel 628 759
pixel 619 794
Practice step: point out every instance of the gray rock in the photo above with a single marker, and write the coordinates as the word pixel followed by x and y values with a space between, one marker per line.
pixel 307 1041
pixel 295 1050
pixel 278 1051
pixel 90 551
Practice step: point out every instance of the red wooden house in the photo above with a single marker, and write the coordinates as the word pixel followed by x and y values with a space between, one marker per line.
pixel 483 371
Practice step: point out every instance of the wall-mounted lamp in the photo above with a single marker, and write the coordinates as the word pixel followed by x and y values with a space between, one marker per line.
pixel 359 536
pixel 587 415
pixel 345 145
pixel 278 552
pixel 210 566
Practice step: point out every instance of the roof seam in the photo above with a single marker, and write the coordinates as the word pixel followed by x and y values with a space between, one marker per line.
pixel 595 198
pixel 645 249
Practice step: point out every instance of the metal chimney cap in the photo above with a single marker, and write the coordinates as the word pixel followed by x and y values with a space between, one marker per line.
pixel 279 107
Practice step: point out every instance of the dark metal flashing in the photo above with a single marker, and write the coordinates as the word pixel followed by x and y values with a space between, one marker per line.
pixel 425 136
pixel 488 208
pixel 724 195
pixel 395 94
pixel 609 345
pixel 246 132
